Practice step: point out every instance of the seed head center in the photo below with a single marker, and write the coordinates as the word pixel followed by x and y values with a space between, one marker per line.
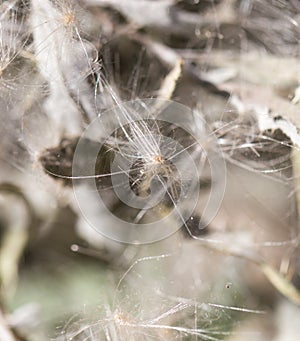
pixel 158 159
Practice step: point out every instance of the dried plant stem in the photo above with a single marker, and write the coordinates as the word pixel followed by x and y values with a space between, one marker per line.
pixel 13 242
pixel 284 286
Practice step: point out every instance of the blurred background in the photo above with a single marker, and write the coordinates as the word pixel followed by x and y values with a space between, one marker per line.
pixel 235 64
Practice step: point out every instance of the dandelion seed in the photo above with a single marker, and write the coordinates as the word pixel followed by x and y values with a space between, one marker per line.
pixel 65 60
pixel 11 44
